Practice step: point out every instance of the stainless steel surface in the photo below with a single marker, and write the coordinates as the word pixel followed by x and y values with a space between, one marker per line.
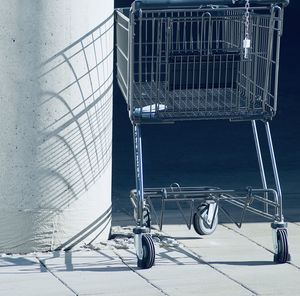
pixel 260 161
pixel 194 63
pixel 188 64
pixel 138 158
pixel 275 171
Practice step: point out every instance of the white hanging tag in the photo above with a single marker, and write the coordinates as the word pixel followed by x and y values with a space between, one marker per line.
pixel 247 43
pixel 247 46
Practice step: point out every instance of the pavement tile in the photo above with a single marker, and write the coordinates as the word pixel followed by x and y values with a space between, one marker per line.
pixel 246 258
pixel 178 272
pixel 231 261
pixel 91 272
pixel 23 275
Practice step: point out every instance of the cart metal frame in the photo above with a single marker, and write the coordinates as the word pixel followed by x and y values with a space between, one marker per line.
pixel 184 60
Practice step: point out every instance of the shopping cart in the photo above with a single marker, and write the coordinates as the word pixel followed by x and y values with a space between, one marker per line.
pixel 201 59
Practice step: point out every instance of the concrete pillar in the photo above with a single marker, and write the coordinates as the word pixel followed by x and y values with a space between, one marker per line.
pixel 56 64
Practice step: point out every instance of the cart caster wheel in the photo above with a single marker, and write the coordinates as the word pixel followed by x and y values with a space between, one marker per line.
pixel 148 252
pixel 200 223
pixel 282 255
pixel 147 217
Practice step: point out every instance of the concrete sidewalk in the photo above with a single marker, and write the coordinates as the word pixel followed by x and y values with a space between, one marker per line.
pixel 229 262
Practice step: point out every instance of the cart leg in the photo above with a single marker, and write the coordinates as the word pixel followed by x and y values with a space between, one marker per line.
pixel 280 237
pixel 139 180
pixel 143 241
pixel 275 171
pixel 260 162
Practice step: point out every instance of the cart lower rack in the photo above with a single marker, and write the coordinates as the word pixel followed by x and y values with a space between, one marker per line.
pixel 199 60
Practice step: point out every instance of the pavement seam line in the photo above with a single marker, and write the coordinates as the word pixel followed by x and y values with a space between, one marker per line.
pixel 258 244
pixel 200 260
pixel 60 280
pixel 196 258
pixel 144 278
pixel 247 237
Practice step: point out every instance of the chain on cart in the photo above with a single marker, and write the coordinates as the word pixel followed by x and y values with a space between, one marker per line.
pixel 247 40
pixel 182 60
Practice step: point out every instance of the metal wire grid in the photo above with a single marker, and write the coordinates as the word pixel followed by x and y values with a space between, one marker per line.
pixel 190 61
pixel 192 103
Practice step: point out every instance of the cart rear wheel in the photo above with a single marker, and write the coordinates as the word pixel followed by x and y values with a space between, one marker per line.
pixel 282 255
pixel 200 223
pixel 148 252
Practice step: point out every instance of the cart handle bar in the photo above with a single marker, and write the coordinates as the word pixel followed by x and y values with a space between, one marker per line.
pixel 138 4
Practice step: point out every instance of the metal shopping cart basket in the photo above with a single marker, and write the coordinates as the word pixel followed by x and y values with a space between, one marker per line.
pixel 201 59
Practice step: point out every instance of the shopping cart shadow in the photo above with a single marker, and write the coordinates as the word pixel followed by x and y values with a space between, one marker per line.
pixel 178 256
pixel 74 141
pixel 67 141
pixel 242 263
pixel 70 261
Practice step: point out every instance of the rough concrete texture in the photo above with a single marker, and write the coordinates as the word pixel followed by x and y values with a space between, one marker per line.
pixel 56 123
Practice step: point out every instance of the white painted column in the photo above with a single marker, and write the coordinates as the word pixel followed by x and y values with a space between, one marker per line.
pixel 56 72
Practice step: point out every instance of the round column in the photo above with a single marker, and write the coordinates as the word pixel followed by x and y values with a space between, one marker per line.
pixel 56 76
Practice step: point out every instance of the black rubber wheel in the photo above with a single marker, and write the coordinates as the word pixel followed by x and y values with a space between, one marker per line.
pixel 283 250
pixel 199 220
pixel 147 216
pixel 148 252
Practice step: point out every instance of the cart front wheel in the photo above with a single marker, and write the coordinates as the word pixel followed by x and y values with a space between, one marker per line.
pixel 146 216
pixel 200 221
pixel 282 255
pixel 148 252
